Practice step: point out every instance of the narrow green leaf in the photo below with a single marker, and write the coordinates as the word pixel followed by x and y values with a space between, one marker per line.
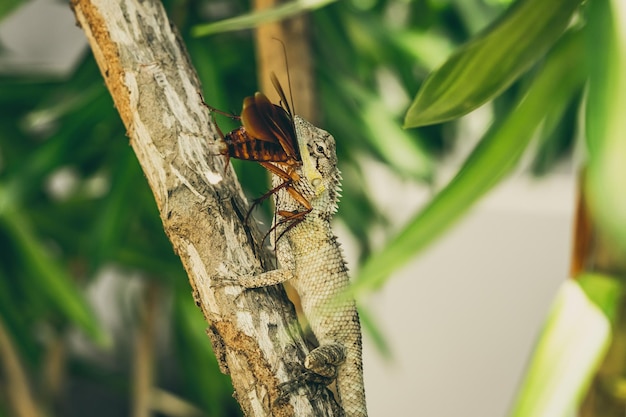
pixel 208 387
pixel 495 156
pixel 557 136
pixel 50 277
pixel 605 292
pixel 113 224
pixel 64 106
pixel 251 20
pixel 606 124
pixel 572 344
pixel 7 6
pixel 426 48
pixel 371 329
pixel 486 65
pixel 399 149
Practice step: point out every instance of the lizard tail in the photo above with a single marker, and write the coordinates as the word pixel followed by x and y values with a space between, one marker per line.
pixel 350 386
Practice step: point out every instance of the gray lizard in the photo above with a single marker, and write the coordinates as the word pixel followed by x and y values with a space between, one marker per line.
pixel 310 257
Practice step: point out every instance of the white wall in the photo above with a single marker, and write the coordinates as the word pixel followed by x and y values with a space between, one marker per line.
pixel 462 318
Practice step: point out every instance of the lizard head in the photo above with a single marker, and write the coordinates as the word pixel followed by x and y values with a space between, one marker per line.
pixel 319 159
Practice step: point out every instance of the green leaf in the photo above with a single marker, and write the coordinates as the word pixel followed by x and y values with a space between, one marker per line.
pixel 494 158
pixel 558 135
pixel 605 292
pixel 606 124
pixel 399 149
pixel 7 6
pixel 491 61
pixel 208 387
pixel 114 222
pixel 49 276
pixel 572 344
pixel 251 20
pixel 371 329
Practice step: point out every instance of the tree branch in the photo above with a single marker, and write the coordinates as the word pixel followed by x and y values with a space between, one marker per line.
pixel 254 332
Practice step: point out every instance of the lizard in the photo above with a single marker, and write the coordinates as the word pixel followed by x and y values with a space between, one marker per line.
pixel 310 257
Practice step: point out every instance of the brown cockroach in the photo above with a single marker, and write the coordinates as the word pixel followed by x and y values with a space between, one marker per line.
pixel 267 135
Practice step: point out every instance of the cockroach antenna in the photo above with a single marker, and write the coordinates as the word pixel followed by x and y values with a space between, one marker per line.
pixel 288 77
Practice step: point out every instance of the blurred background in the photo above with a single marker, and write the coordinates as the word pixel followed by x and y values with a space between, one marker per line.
pixel 96 312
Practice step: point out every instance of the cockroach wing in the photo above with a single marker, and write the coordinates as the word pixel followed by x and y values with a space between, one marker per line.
pixel 282 125
pixel 269 122
pixel 253 119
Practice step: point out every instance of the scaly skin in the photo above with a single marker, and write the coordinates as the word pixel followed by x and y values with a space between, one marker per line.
pixel 310 256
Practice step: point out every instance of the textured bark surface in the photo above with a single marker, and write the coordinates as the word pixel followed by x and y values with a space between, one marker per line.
pixel 254 332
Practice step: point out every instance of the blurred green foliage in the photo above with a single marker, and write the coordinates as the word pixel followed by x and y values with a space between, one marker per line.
pixel 74 202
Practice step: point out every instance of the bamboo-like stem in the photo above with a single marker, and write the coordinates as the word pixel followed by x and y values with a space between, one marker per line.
pixel 18 389
pixel 144 349
pixel 294 35
pixel 592 252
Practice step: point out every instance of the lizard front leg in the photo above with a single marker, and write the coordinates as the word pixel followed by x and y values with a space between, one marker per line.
pixel 277 276
pixel 265 279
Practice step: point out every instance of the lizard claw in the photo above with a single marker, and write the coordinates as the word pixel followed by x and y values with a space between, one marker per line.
pixel 320 369
pixel 222 282
pixel 304 378
pixel 315 383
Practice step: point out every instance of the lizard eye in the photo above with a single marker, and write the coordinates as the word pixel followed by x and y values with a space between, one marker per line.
pixel 320 148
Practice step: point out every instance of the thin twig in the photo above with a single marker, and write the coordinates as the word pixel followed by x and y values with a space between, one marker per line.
pixel 18 390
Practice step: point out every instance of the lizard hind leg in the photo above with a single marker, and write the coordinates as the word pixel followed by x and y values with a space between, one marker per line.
pixel 325 359
pixel 314 383
pixel 319 371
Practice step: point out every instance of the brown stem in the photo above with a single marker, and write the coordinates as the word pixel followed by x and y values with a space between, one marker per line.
pixel 144 348
pixel 18 390
pixel 294 35
pixel 593 253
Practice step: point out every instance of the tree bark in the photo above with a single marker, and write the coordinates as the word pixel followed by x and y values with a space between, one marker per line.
pixel 254 332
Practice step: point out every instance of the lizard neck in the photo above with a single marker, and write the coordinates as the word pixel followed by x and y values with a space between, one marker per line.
pixel 320 179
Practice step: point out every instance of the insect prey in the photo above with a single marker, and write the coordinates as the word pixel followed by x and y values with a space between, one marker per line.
pixel 267 135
